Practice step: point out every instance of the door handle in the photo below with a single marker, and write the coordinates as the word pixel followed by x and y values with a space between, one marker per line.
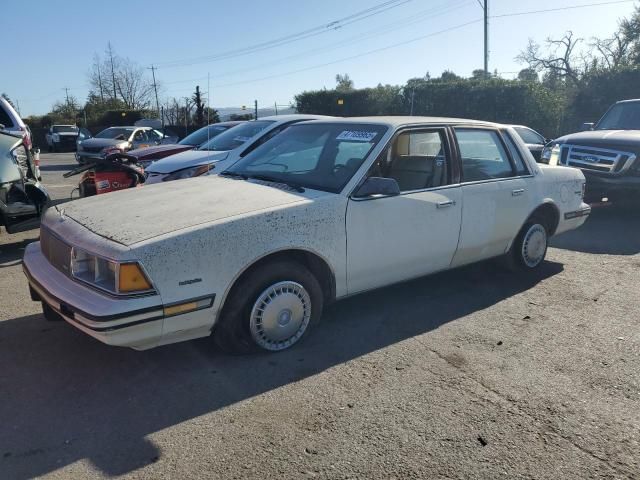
pixel 518 192
pixel 445 204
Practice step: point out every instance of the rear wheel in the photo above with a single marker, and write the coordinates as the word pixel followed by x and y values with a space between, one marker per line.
pixel 270 309
pixel 530 247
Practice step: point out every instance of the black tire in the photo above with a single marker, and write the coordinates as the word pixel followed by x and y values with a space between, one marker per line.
pixel 530 246
pixel 233 333
pixel 50 314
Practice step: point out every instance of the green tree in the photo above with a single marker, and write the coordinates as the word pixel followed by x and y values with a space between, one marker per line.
pixel 344 83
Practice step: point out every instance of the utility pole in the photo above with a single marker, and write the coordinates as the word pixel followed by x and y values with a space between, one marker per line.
pixel 276 105
pixel 155 88
pixel 66 91
pixel 186 116
pixel 486 37
pixel 255 104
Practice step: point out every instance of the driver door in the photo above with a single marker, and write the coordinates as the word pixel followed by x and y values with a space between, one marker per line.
pixel 390 239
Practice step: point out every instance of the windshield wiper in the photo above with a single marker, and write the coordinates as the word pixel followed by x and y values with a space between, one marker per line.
pixel 228 173
pixel 266 178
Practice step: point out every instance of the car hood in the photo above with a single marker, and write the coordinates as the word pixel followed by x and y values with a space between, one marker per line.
pixel 603 138
pixel 190 158
pixel 101 142
pixel 138 214
pixel 142 153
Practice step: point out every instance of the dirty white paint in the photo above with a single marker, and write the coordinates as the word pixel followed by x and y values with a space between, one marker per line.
pixel 212 229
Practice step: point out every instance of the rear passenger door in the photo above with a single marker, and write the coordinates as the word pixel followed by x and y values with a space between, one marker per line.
pixel 395 238
pixel 496 194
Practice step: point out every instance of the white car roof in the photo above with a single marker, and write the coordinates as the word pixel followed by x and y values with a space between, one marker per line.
pixel 296 116
pixel 397 121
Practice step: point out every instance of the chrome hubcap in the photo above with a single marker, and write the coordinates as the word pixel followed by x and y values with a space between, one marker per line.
pixel 280 316
pixel 534 245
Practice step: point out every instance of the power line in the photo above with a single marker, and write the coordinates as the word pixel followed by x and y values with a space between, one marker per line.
pixel 353 57
pixel 318 30
pixel 558 9
pixel 377 32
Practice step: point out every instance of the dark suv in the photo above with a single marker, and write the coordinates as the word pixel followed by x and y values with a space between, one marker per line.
pixel 607 153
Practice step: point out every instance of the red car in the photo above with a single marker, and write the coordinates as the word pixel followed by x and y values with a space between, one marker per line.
pixel 148 155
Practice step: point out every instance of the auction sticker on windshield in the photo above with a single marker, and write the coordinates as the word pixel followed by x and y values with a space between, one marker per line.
pixel 356 136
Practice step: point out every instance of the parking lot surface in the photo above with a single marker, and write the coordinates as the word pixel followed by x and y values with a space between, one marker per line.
pixel 473 373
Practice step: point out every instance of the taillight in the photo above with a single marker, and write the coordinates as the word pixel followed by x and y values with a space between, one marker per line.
pixel 26 138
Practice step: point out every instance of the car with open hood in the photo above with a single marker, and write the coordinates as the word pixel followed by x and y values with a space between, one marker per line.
pixel 147 155
pixel 23 198
pixel 223 150
pixel 324 210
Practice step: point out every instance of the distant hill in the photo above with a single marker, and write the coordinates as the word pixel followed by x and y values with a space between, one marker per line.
pixel 226 112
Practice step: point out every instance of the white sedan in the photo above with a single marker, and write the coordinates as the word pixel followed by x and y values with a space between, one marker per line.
pixel 324 210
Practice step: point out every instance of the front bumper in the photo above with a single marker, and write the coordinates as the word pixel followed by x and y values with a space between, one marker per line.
pixel 600 185
pixel 136 322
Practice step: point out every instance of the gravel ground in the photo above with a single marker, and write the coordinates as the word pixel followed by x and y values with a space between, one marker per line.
pixel 474 373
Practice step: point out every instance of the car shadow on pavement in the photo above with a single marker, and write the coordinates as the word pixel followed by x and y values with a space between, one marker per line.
pixel 609 230
pixel 67 397
pixel 11 253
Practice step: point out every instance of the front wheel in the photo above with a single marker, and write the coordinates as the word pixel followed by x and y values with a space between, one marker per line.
pixel 530 247
pixel 270 309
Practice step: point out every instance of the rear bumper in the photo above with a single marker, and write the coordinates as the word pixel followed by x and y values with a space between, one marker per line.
pixel 136 322
pixel 573 219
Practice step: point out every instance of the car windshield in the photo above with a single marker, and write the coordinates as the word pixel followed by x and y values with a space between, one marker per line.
pixel 622 116
pixel 65 129
pixel 115 132
pixel 236 136
pixel 203 135
pixel 319 156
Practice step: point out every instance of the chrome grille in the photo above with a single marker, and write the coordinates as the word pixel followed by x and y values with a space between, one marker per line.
pixel 55 250
pixel 92 149
pixel 595 159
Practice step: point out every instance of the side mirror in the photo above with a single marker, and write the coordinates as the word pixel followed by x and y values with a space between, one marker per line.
pixel 586 126
pixel 378 186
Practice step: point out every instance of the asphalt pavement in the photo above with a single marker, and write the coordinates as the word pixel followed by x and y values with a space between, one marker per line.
pixel 473 373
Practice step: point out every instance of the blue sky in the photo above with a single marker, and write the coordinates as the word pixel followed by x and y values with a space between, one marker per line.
pixel 55 43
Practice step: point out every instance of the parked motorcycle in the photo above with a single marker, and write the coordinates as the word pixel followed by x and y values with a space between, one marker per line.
pixel 117 171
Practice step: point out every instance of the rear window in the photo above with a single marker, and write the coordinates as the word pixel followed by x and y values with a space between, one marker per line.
pixel 5 119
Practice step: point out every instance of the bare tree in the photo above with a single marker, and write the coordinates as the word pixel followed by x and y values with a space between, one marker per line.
pixel 560 58
pixel 613 51
pixel 134 88
pixel 122 80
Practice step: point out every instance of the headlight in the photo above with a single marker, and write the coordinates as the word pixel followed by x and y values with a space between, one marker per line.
pixel 189 172
pixel 545 156
pixel 56 137
pixel 113 277
pixel 554 158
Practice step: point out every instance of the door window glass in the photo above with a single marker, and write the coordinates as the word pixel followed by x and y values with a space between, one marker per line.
pixel 416 160
pixel 140 136
pixel 529 136
pixel 521 168
pixel 483 155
